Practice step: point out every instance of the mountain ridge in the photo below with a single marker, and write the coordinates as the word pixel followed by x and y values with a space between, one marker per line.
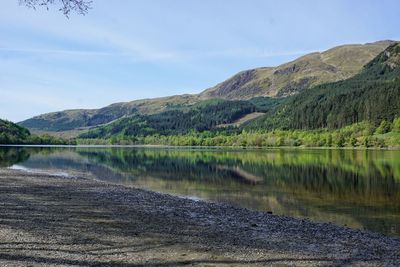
pixel 338 63
pixel 288 79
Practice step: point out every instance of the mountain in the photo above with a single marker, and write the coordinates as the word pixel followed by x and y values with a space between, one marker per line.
pixel 288 79
pixel 373 95
pixel 335 64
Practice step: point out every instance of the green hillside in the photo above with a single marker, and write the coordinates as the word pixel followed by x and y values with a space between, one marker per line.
pixel 11 133
pixel 372 95
pixel 288 79
pixel 85 118
pixel 72 119
pixel 202 116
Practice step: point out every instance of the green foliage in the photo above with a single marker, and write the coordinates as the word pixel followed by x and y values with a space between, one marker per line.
pixel 47 140
pixel 384 127
pixel 396 125
pixel 353 141
pixel 11 133
pixel 340 140
pixel 350 136
pixel 373 96
pixel 265 104
pixel 367 141
pixel 202 116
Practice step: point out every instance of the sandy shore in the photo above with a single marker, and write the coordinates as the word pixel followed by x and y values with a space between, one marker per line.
pixel 48 220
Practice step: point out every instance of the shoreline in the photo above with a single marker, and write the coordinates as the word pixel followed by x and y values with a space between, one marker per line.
pixel 232 148
pixel 51 220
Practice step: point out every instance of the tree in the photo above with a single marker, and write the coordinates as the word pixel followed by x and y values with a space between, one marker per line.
pixel 396 125
pixel 367 141
pixel 280 141
pixel 384 127
pixel 340 140
pixel 79 6
pixel 353 141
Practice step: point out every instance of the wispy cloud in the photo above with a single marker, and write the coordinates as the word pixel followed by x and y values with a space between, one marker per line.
pixel 158 55
pixel 57 51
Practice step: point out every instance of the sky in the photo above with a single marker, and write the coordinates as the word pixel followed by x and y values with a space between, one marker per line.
pixel 124 50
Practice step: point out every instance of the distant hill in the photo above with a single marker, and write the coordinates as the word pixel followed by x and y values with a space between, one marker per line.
pixel 372 95
pixel 288 79
pixel 86 118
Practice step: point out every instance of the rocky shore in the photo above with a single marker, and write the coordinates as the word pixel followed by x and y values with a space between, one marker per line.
pixel 57 221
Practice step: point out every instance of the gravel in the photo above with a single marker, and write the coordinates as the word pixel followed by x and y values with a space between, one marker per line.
pixel 56 221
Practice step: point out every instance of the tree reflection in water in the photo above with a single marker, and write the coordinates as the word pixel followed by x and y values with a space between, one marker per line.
pixel 358 188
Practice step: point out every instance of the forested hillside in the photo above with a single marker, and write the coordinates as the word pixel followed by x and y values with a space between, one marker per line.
pixel 11 133
pixel 373 96
pixel 202 116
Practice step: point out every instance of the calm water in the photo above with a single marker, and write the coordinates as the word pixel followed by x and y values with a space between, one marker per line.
pixel 360 189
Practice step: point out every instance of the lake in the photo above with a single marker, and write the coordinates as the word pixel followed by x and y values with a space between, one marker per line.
pixel 356 188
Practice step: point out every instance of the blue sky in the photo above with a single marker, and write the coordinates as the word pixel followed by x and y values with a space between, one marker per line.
pixel 125 50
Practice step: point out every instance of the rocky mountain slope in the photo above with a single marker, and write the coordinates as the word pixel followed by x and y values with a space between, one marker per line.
pixel 335 64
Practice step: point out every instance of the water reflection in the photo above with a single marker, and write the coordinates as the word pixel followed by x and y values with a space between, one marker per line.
pixel 357 188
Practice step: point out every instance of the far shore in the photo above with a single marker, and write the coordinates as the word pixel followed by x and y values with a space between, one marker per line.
pixel 241 148
pixel 56 221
